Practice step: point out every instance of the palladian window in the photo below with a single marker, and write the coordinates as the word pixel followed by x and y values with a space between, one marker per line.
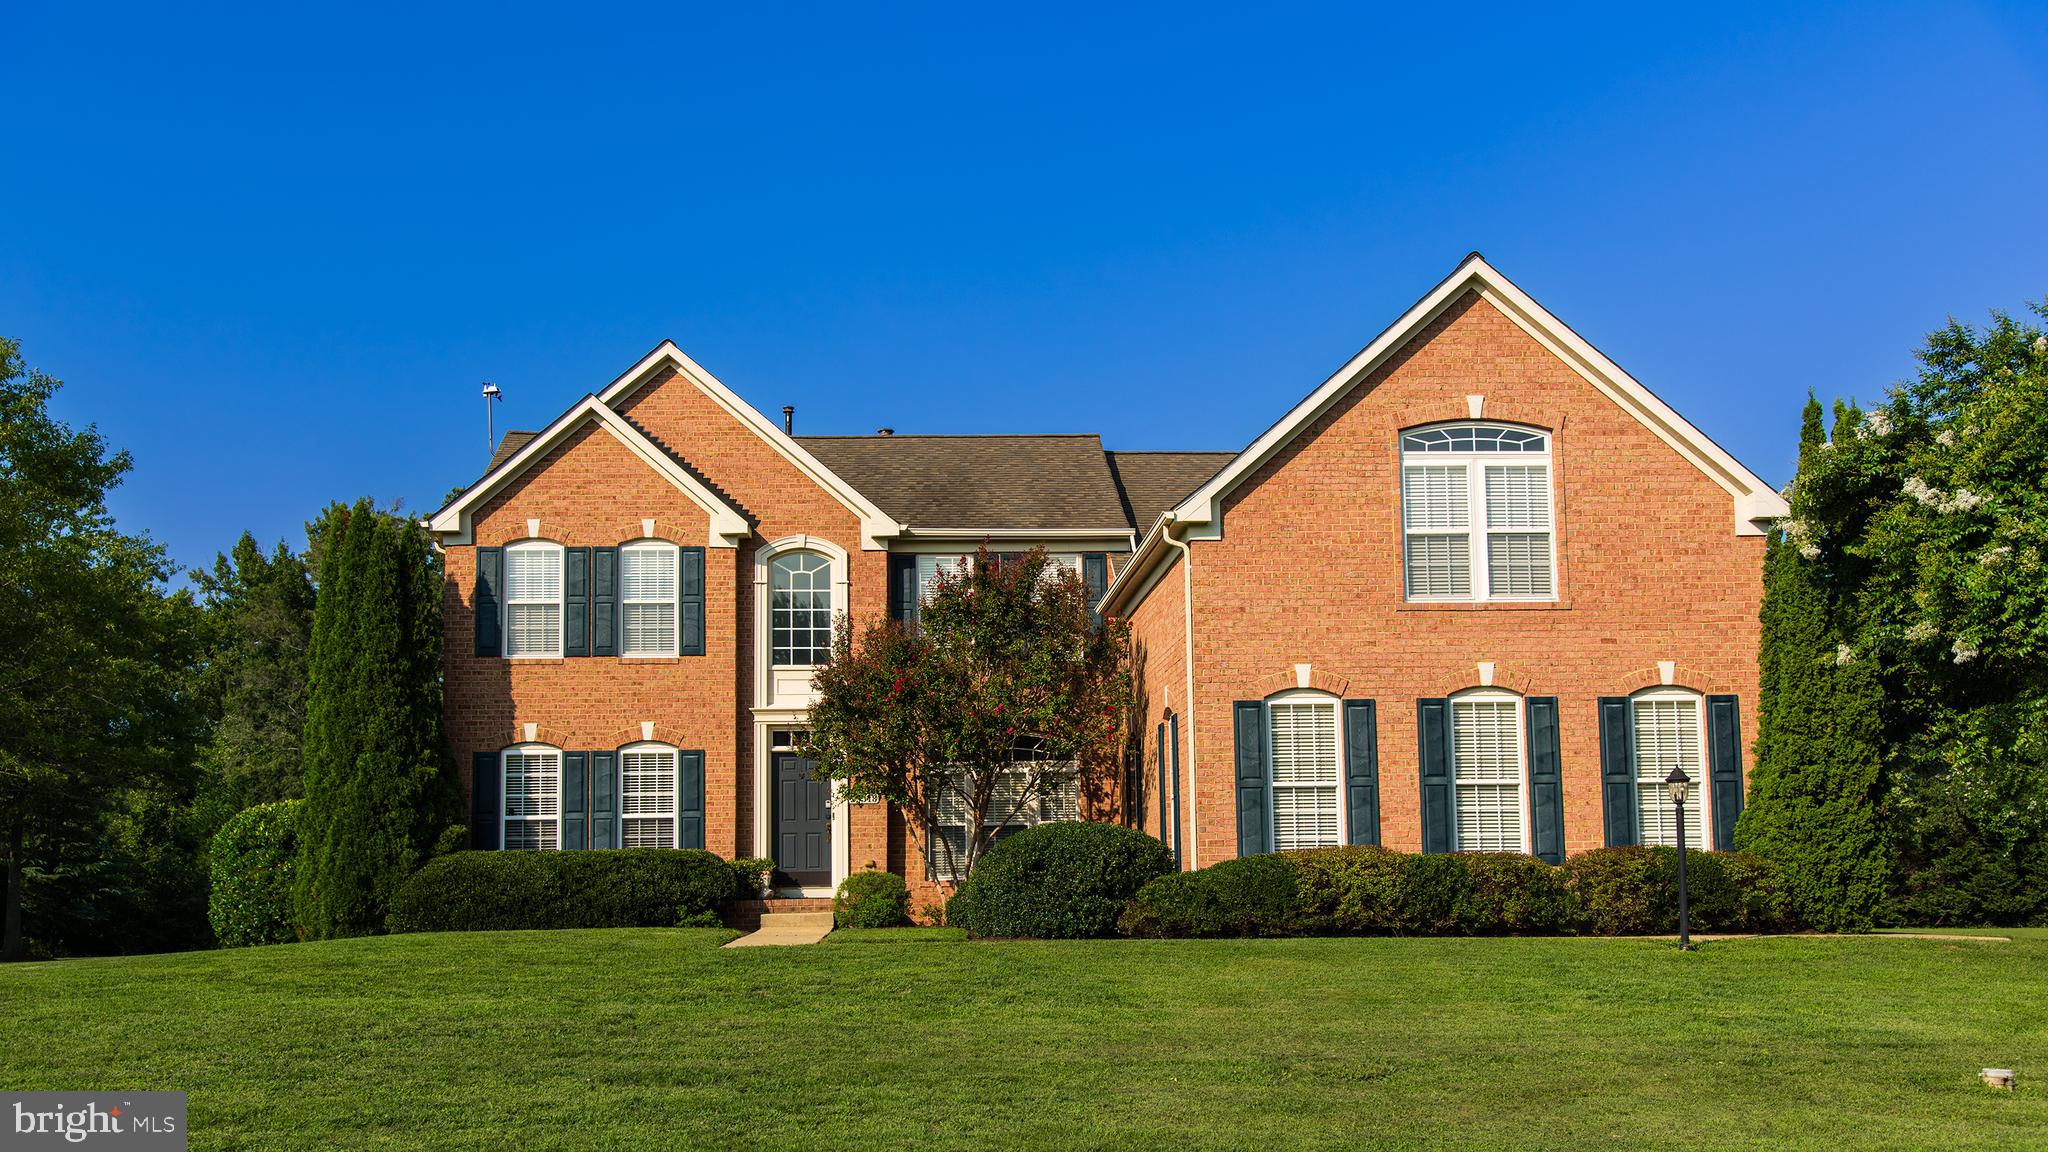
pixel 800 609
pixel 1476 513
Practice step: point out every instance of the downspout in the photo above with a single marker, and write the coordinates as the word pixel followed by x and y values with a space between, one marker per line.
pixel 1187 632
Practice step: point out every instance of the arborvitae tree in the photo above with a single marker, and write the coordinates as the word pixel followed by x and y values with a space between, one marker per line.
pixel 379 784
pixel 1813 794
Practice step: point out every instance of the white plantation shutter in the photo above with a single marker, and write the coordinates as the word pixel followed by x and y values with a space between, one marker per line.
pixel 647 799
pixel 1486 767
pixel 1518 523
pixel 1667 736
pixel 1435 508
pixel 1058 797
pixel 647 596
pixel 533 799
pixel 533 600
pixel 1305 774
pixel 931 568
pixel 1433 497
pixel 1517 496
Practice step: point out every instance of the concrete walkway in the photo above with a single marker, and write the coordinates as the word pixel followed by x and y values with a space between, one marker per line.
pixel 787 928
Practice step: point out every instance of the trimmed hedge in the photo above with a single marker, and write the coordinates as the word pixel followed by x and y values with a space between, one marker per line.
pixel 871 900
pixel 250 866
pixel 1374 892
pixel 1066 880
pixel 622 888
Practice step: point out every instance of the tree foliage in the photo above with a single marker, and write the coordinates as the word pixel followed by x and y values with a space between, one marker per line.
pixel 1926 523
pixel 1006 688
pixel 380 785
pixel 259 612
pixel 96 729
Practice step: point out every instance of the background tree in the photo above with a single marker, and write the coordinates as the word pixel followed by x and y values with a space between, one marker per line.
pixel 1006 688
pixel 380 786
pixel 1814 790
pixel 96 723
pixel 259 610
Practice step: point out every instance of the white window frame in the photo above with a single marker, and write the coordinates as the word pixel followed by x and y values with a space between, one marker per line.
pixel 675 611
pixel 1044 809
pixel 832 606
pixel 1699 822
pixel 555 553
pixel 1477 533
pixel 505 819
pixel 1520 761
pixel 675 789
pixel 1327 703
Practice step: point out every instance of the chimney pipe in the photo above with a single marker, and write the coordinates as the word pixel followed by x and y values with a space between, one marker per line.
pixel 789 419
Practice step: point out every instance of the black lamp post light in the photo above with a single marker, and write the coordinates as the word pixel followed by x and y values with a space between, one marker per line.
pixel 1680 787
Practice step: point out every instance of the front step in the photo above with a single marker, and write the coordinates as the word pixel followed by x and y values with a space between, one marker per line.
pixel 795 921
pixel 747 914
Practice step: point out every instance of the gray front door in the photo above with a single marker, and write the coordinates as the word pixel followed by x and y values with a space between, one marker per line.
pixel 803 822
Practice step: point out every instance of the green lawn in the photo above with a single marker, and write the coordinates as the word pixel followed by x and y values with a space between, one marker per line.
pixel 658 1039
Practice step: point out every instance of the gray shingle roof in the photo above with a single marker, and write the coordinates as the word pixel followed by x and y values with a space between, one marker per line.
pixel 512 443
pixel 1016 482
pixel 1152 482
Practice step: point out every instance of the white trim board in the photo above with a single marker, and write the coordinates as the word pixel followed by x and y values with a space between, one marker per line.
pixel 875 526
pixel 453 523
pixel 1754 503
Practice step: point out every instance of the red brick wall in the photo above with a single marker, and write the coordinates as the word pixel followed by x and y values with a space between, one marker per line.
pixel 1309 572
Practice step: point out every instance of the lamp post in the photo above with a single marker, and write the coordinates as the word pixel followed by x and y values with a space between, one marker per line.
pixel 1680 787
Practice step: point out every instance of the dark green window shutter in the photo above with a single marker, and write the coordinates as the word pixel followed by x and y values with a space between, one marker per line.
pixel 1433 743
pixel 1362 770
pixel 1724 744
pixel 484 782
pixel 487 596
pixel 903 589
pixel 1254 821
pixel 1095 575
pixel 1618 770
pixel 1173 754
pixel 690 800
pixel 604 800
pixel 690 602
pixel 604 601
pixel 1546 781
pixel 575 601
pixel 575 773
pixel 1162 834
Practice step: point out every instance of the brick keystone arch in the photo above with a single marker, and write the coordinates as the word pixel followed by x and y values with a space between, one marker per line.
pixel 1287 680
pixel 1506 677
pixel 1685 676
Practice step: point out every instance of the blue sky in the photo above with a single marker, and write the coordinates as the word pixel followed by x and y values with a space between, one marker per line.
pixel 274 252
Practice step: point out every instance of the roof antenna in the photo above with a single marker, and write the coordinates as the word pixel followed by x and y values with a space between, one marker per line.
pixel 789 419
pixel 492 394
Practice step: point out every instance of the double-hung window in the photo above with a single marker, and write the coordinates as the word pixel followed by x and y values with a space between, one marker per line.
pixel 533 798
pixel 647 599
pixel 1476 513
pixel 1668 735
pixel 933 567
pixel 1012 806
pixel 533 599
pixel 1486 773
pixel 647 797
pixel 800 610
pixel 1306 773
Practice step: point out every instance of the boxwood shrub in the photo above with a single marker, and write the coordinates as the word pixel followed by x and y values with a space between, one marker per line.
pixel 871 900
pixel 622 888
pixel 1249 896
pixel 1057 881
pixel 249 898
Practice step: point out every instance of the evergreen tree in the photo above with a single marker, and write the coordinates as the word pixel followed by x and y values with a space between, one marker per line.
pixel 379 784
pixel 1814 790
pixel 259 611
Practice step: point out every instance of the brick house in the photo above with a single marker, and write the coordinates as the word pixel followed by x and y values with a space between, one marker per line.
pixel 1412 612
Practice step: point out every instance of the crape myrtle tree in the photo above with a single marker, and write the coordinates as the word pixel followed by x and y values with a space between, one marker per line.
pixel 380 788
pixel 1006 688
pixel 1926 519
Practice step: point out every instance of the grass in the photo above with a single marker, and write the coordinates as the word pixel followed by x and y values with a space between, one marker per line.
pixel 898 936
pixel 659 1039
pixel 2009 933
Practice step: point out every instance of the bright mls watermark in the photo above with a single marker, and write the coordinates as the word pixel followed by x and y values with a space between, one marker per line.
pixel 147 1121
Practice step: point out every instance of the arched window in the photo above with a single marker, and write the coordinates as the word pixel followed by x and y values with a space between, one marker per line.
pixel 1307 772
pixel 1488 807
pixel 800 609
pixel 647 796
pixel 533 599
pixel 1670 733
pixel 1476 513
pixel 647 598
pixel 532 809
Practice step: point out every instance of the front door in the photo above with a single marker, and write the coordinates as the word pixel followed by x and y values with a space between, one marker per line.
pixel 803 822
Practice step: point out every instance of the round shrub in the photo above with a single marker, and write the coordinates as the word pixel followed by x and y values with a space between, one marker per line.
pixel 1058 881
pixel 1248 896
pixel 622 888
pixel 1351 891
pixel 250 862
pixel 871 900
